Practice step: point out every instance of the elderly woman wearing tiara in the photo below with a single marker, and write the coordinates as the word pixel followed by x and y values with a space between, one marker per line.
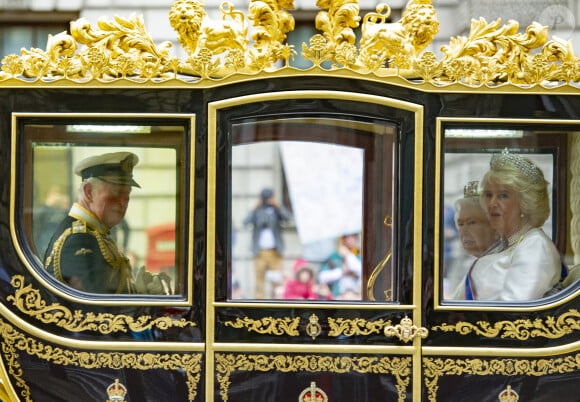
pixel 525 264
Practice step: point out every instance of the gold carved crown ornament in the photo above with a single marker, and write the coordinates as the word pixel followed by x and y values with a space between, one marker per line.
pixel 116 391
pixel 508 395
pixel 313 394
pixel 255 42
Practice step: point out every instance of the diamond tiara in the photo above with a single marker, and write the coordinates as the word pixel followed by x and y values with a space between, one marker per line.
pixel 524 165
pixel 470 190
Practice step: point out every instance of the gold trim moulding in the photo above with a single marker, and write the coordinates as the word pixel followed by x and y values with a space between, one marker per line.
pixel 315 347
pixel 289 72
pixel 500 352
pixel 315 305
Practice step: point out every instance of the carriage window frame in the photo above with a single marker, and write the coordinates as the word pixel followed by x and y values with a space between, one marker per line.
pixel 561 130
pixel 356 135
pixel 179 126
pixel 222 114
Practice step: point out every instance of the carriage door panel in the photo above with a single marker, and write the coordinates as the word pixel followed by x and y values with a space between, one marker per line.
pixel 331 311
pixel 516 346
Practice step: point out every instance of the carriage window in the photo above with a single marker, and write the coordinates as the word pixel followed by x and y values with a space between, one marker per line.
pixel 505 197
pixel 102 216
pixel 305 196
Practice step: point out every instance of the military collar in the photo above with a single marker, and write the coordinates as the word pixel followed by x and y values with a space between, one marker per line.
pixel 80 213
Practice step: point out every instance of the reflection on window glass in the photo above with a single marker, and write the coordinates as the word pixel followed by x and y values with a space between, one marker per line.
pixel 297 210
pixel 319 231
pixel 103 218
pixel 500 221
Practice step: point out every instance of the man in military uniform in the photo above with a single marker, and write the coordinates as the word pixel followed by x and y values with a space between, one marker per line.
pixel 82 252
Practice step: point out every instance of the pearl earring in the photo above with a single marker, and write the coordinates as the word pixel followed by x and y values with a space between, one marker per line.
pixel 521 215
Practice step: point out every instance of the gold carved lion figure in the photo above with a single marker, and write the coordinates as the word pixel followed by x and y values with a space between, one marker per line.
pixel 197 31
pixel 407 37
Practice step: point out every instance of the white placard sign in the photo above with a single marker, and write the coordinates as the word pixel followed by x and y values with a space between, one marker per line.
pixel 325 182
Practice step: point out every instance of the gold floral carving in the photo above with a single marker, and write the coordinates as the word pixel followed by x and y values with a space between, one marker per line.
pixel 435 368
pixel 356 326
pixel 268 325
pixel 254 42
pixel 226 364
pixel 13 341
pixel 29 301
pixel 549 327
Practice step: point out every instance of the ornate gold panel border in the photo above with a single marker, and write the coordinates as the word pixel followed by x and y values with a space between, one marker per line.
pixel 29 301
pixel 13 341
pixel 548 327
pixel 289 326
pixel 226 364
pixel 435 368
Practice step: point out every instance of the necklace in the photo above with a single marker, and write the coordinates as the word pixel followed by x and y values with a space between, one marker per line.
pixel 517 236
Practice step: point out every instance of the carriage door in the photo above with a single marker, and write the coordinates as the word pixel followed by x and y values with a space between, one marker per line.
pixel 313 264
pixel 491 349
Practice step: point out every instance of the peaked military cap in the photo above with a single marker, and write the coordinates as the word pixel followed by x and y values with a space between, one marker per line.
pixel 114 168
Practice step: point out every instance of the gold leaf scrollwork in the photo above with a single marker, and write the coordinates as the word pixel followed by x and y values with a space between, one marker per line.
pixel 268 325
pixel 30 302
pixel 226 364
pixel 337 26
pixel 550 327
pixel 356 326
pixel 435 368
pixel 13 341
pixel 406 331
pixel 254 42
pixel 115 49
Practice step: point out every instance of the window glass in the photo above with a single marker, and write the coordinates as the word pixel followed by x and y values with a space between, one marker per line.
pixel 299 192
pixel 102 216
pixel 505 198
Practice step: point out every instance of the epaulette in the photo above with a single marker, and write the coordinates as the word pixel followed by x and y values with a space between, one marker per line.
pixel 79 227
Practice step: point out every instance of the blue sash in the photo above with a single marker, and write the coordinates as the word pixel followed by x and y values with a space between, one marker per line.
pixel 468 292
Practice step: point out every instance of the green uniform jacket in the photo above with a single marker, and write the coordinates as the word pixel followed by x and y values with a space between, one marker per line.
pixel 83 255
